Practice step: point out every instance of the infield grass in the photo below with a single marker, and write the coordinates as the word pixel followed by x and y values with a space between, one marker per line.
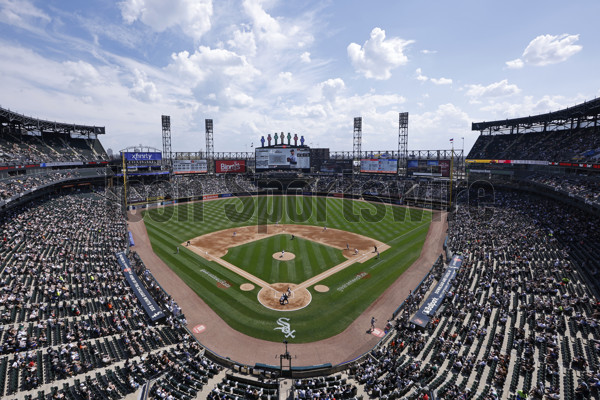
pixel 311 259
pixel 329 313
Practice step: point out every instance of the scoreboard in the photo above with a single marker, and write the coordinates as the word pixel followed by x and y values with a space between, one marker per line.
pixel 379 165
pixel 282 158
pixel 190 166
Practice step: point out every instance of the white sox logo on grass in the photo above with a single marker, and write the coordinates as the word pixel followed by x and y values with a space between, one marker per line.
pixel 284 326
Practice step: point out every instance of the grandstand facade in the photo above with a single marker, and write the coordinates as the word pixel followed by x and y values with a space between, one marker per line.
pixel 558 153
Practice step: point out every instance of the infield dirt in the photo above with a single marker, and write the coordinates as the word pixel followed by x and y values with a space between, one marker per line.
pixel 217 243
pixel 356 248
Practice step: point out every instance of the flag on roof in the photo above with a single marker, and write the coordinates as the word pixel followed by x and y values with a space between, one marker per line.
pixel 452 139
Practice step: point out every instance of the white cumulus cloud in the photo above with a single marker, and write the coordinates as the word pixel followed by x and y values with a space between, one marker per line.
pixel 285 76
pixel 435 81
pixel 81 74
pixel 243 43
pixel 192 16
pixel 331 87
pixel 547 49
pixel 515 64
pixel 378 56
pixel 143 89
pixel 420 76
pixel 441 81
pixel 206 62
pixel 276 33
pixel 438 126
pixel 496 89
pixel 237 98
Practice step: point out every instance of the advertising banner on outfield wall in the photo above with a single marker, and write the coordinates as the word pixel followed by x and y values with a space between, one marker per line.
pixel 436 298
pixel 148 303
pixel 230 166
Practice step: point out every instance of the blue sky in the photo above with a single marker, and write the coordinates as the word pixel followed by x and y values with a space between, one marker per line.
pixel 307 67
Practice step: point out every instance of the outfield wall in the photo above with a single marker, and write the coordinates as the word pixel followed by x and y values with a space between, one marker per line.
pixel 193 199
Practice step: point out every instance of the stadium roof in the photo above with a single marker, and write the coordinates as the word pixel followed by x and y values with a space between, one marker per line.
pixel 8 117
pixel 583 111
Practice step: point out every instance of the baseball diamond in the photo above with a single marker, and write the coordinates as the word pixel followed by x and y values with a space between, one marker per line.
pixel 317 316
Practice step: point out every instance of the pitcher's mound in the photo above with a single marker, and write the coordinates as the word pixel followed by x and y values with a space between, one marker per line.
pixel 284 257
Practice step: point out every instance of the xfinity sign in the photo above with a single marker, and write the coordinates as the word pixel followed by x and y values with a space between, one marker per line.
pixel 143 156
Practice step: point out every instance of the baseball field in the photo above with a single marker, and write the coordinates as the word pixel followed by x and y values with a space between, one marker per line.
pixel 294 268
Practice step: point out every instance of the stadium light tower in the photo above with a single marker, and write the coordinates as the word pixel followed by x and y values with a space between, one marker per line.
pixel 210 149
pixel 166 139
pixel 357 144
pixel 402 143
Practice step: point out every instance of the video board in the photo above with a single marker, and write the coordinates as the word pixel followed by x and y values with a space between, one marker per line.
pixel 379 165
pixel 336 166
pixel 282 158
pixel 429 168
pixel 190 166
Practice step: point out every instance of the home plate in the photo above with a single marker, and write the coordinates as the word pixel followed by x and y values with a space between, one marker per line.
pixel 200 328
pixel 375 332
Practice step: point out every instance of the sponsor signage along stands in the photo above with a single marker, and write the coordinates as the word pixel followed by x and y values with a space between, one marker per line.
pixel 61 164
pixel 144 173
pixel 436 298
pixel 148 303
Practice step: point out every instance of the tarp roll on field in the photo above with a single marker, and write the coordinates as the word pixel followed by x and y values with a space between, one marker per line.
pixel 435 299
pixel 150 306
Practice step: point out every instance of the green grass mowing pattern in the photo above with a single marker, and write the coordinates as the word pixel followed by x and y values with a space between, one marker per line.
pixel 312 258
pixel 329 313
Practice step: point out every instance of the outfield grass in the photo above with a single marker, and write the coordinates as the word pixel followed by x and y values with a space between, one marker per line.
pixel 331 312
pixel 311 259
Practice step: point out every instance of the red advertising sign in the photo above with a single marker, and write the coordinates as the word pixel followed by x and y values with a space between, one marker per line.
pixel 445 168
pixel 230 166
